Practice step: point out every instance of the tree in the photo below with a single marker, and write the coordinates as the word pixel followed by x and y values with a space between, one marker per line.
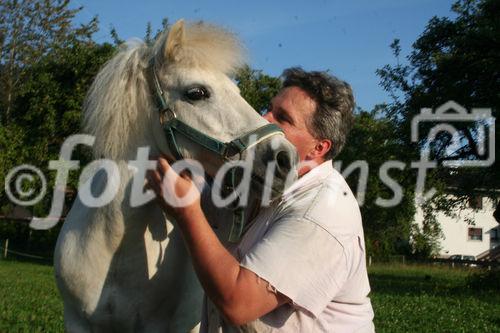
pixel 29 30
pixel 374 139
pixel 257 88
pixel 51 66
pixel 149 38
pixel 454 59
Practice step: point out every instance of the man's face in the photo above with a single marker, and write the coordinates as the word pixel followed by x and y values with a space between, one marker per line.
pixel 291 110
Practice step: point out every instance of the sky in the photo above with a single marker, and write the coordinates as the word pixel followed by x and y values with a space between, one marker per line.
pixel 350 39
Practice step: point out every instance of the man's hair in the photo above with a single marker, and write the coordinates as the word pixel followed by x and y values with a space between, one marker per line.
pixel 333 117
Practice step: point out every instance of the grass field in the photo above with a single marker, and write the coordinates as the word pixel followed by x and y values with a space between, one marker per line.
pixel 434 299
pixel 405 299
pixel 29 301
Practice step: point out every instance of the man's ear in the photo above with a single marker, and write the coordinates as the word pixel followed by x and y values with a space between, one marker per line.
pixel 321 148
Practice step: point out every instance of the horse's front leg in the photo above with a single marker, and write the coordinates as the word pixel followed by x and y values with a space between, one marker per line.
pixel 75 321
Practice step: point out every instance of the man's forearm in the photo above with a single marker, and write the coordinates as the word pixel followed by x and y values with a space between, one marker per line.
pixel 217 269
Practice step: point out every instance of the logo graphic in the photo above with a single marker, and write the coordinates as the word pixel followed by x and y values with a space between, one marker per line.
pixel 452 112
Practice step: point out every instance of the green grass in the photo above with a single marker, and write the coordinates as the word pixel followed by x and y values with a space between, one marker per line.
pixel 433 299
pixel 405 299
pixel 29 301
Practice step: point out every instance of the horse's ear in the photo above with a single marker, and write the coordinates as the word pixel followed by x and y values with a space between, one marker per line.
pixel 174 41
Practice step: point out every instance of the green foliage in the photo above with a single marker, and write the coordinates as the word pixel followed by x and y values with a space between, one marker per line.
pixel 257 88
pixel 423 244
pixel 115 37
pixel 149 38
pixel 29 30
pixel 374 139
pixel 47 110
pixel 48 80
pixel 485 280
pixel 454 59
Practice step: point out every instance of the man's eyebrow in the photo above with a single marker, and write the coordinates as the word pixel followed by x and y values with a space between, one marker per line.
pixel 286 114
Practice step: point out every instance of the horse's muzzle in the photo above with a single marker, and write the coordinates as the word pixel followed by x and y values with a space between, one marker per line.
pixel 274 167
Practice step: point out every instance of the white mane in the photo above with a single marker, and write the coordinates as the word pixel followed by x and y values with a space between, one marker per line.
pixel 119 105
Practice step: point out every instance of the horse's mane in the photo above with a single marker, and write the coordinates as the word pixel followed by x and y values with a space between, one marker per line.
pixel 117 109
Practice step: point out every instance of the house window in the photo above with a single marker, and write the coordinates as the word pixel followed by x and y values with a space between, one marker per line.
pixel 476 202
pixel 476 234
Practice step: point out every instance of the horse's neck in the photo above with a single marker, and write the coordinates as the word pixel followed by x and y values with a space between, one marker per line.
pixel 119 217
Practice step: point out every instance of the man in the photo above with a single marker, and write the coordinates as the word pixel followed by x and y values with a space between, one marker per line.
pixel 301 265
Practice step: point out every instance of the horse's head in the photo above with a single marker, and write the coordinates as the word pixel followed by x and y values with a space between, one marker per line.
pixel 178 97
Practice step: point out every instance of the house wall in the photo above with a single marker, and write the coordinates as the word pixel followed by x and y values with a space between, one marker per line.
pixel 456 230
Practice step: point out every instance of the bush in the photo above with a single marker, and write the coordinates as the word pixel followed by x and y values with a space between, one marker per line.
pixel 485 280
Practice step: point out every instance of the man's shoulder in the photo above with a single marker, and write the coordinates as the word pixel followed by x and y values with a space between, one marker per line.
pixel 329 203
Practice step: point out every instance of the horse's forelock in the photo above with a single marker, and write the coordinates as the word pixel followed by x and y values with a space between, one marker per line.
pixel 206 46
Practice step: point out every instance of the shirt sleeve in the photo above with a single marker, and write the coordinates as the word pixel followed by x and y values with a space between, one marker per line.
pixel 302 261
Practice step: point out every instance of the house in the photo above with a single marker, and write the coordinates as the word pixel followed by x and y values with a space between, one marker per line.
pixel 478 239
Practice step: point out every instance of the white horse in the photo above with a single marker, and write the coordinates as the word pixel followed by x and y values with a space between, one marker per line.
pixel 121 268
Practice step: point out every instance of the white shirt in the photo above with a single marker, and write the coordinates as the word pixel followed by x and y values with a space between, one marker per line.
pixel 309 246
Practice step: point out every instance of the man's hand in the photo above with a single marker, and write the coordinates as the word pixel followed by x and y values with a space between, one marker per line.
pixel 177 194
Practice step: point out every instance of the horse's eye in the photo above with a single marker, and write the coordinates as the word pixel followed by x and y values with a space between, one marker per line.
pixel 197 93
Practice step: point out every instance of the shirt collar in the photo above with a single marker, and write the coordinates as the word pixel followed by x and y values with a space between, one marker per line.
pixel 315 175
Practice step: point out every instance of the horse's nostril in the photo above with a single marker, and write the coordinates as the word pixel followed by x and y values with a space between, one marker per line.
pixel 283 160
